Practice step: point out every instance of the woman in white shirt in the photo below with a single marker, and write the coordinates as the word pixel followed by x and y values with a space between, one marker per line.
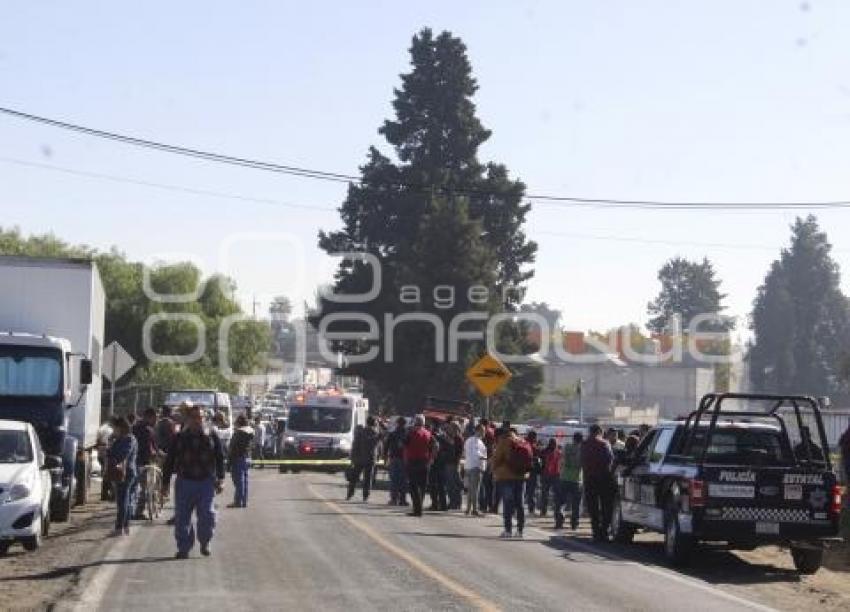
pixel 475 459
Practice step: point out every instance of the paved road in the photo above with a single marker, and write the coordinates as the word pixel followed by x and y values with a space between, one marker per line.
pixel 299 545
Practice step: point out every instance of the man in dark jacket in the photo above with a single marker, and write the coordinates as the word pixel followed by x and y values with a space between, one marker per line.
pixel 437 485
pixel 451 468
pixel 238 454
pixel 597 460
pixel 394 455
pixel 365 450
pixel 165 429
pixel 844 445
pixel 196 456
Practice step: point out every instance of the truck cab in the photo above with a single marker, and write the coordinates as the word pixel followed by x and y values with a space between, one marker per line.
pixel 733 476
pixel 41 378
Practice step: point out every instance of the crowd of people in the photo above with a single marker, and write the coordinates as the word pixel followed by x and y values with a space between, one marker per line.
pixel 189 446
pixel 491 465
pixel 499 467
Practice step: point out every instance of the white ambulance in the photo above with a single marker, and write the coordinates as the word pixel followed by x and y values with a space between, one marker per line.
pixel 321 428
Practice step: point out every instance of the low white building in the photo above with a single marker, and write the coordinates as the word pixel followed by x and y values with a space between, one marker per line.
pixel 674 390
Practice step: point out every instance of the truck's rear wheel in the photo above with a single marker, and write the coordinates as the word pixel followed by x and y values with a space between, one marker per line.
pixel 677 545
pixel 61 510
pixel 807 560
pixel 83 476
pixel 622 531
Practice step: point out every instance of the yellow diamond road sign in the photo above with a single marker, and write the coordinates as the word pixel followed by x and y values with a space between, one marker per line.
pixel 488 374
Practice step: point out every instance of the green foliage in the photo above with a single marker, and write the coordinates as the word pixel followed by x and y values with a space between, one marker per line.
pixel 538 412
pixel 800 319
pixel 127 308
pixel 688 289
pixel 179 376
pixel 437 217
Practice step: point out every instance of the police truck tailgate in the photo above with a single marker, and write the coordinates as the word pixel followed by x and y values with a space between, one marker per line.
pixel 768 502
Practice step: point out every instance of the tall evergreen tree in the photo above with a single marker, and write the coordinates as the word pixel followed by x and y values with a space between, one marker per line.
pixel 688 289
pixel 800 319
pixel 437 216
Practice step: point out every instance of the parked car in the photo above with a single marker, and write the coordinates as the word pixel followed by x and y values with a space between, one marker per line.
pixel 24 486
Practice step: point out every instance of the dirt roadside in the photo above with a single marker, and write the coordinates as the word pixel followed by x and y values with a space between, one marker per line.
pixel 765 575
pixel 37 580
pixel 828 589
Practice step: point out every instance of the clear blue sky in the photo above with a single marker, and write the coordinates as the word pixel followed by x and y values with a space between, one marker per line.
pixel 722 100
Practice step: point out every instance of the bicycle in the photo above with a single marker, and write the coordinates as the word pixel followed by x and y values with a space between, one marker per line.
pixel 150 479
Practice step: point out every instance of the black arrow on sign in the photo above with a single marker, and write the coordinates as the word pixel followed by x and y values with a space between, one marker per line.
pixel 491 373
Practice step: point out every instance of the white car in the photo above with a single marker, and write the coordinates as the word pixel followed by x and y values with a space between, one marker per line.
pixel 24 487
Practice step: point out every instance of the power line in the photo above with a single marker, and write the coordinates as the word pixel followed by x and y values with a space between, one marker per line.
pixel 331 209
pixel 661 242
pixel 324 175
pixel 164 186
pixel 178 150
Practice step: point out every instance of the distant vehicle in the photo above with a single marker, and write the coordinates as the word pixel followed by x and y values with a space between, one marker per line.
pixel 733 476
pixel 322 425
pixel 25 484
pixel 241 404
pixel 52 321
pixel 284 389
pixel 210 400
pixel 274 404
pixel 562 433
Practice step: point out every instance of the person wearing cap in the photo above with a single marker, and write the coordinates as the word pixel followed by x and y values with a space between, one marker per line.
pixel 197 458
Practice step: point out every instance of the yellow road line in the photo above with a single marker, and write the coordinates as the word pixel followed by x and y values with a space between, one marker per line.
pixel 471 596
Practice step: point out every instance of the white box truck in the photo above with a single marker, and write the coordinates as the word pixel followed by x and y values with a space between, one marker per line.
pixel 51 341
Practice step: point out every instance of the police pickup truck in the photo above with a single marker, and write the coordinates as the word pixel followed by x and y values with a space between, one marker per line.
pixel 730 473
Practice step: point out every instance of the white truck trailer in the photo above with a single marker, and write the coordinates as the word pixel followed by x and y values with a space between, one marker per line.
pixel 51 342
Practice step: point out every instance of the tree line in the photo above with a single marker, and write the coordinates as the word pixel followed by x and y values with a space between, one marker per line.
pixel 127 308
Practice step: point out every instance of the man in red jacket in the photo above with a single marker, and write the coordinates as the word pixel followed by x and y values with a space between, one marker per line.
pixel 419 452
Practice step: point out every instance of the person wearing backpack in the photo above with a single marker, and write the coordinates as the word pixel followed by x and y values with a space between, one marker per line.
pixel 512 462
pixel 551 459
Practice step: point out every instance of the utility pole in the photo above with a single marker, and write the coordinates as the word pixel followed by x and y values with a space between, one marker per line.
pixel 112 382
pixel 579 392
